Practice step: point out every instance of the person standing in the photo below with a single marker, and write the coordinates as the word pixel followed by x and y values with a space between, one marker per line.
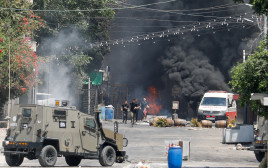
pixel 132 106
pixel 134 110
pixel 138 108
pixel 144 107
pixel 125 109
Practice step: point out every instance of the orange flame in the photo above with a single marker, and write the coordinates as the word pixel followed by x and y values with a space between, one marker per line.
pixel 151 99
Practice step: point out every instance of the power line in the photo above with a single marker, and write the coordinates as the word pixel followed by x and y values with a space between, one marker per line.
pixel 198 9
pixel 230 19
pixel 194 28
pixel 87 10
pixel 178 12
pixel 209 8
pixel 184 14
pixel 132 7
pixel 153 41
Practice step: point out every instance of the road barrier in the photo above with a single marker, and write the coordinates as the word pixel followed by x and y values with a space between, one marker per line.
pixel 221 124
pixel 206 123
pixel 180 122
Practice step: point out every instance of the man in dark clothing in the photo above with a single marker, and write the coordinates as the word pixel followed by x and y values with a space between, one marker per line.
pixel 134 108
pixel 125 109
pixel 144 107
pixel 138 108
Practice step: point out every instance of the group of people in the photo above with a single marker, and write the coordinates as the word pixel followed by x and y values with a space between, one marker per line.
pixel 134 107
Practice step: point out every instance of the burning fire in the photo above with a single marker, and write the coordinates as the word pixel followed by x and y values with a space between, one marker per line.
pixel 151 99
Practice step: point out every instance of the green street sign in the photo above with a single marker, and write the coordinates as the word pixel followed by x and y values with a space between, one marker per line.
pixel 96 78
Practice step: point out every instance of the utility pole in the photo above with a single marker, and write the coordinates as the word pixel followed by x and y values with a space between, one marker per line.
pixel 88 111
pixel 264 25
pixel 9 85
pixel 244 56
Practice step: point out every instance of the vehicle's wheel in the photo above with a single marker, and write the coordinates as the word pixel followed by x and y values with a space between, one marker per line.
pixel 107 156
pixel 14 160
pixel 73 160
pixel 259 155
pixel 48 156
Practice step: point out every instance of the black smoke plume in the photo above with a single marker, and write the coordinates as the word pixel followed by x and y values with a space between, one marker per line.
pixel 184 66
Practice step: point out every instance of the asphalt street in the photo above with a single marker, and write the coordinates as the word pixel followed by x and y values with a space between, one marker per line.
pixel 147 144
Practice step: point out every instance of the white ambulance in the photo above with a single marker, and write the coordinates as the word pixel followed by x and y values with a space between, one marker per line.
pixel 217 105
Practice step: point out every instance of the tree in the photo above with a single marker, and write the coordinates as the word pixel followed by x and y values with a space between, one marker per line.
pixel 252 77
pixel 69 17
pixel 17 28
pixel 259 6
pixel 72 25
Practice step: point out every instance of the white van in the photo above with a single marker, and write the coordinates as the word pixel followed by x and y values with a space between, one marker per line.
pixel 217 105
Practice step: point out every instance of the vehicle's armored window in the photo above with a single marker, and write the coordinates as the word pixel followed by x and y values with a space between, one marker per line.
pixel 27 112
pixel 59 113
pixel 90 123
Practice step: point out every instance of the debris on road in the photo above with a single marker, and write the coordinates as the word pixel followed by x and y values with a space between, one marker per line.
pixel 241 147
pixel 141 164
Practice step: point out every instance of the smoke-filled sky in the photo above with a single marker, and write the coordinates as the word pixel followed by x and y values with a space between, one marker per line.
pixel 57 76
pixel 189 47
pixel 212 35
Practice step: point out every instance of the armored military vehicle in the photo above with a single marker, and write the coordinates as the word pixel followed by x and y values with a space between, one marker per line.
pixel 45 133
pixel 259 145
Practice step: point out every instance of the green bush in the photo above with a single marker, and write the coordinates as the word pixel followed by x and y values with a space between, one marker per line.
pixel 195 123
pixel 161 122
pixel 231 123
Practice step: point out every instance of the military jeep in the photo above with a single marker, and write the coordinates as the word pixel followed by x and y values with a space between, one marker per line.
pixel 45 133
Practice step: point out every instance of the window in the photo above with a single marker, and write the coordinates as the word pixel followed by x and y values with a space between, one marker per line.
pixel 59 113
pixel 90 123
pixel 27 113
pixel 214 101
pixel 62 124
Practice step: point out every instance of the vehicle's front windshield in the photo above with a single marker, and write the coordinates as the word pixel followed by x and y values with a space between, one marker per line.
pixel 214 101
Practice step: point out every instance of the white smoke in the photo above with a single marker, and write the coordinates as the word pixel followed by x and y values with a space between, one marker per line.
pixel 57 77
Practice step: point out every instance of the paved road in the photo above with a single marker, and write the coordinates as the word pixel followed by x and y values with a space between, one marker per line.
pixel 147 143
